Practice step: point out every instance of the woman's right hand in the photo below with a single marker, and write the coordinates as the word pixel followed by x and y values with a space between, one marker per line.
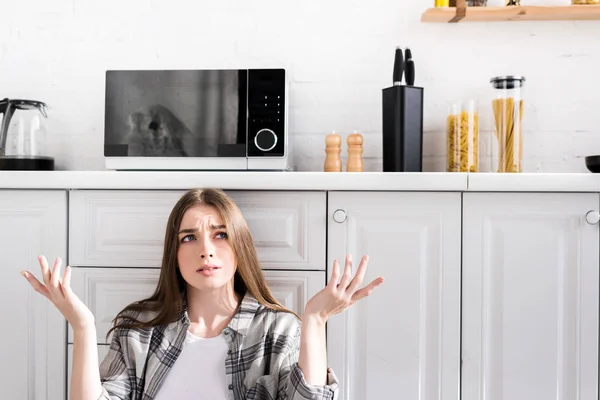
pixel 59 292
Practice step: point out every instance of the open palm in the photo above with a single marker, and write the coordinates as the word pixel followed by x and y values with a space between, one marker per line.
pixel 337 297
pixel 59 292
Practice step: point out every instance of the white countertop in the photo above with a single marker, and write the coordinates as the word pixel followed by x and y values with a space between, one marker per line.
pixel 242 180
pixel 246 180
pixel 534 182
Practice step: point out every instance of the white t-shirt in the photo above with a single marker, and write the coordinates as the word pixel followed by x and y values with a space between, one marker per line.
pixel 199 372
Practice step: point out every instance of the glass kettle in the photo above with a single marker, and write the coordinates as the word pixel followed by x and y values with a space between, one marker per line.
pixel 23 140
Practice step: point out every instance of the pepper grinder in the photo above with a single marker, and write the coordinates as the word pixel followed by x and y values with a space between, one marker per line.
pixel 333 162
pixel 355 151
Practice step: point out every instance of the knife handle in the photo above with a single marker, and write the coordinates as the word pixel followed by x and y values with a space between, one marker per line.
pixel 398 67
pixel 410 72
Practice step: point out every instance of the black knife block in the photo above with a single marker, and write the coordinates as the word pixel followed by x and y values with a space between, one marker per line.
pixel 402 128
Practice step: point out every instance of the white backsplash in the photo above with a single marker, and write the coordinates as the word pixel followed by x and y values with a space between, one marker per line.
pixel 339 55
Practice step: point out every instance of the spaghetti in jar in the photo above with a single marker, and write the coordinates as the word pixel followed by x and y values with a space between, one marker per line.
pixel 462 137
pixel 507 114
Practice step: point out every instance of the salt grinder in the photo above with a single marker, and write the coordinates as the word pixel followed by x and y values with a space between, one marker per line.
pixel 355 151
pixel 333 162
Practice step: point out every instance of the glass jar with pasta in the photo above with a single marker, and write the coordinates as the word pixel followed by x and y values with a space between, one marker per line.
pixel 462 137
pixel 579 2
pixel 507 114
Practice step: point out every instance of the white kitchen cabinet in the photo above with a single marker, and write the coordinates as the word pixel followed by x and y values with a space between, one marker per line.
pixel 403 341
pixel 530 296
pixel 33 342
pixel 118 228
pixel 289 228
pixel 127 228
pixel 106 291
pixel 521 310
pixel 293 289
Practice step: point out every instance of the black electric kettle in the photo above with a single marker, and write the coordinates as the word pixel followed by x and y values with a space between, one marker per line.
pixel 23 136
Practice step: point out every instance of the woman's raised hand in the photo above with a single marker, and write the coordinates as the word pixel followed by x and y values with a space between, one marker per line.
pixel 339 294
pixel 59 292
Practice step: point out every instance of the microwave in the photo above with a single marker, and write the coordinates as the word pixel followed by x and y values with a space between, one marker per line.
pixel 209 119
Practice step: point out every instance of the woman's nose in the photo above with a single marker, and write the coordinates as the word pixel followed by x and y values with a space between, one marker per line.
pixel 206 249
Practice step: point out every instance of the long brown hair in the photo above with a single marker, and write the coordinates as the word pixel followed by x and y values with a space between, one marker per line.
pixel 168 299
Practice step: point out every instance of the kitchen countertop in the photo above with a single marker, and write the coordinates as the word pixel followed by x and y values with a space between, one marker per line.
pixel 250 180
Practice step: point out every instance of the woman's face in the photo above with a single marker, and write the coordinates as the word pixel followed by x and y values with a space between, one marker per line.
pixel 205 257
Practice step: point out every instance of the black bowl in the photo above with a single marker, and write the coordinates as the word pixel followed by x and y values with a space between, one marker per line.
pixel 593 163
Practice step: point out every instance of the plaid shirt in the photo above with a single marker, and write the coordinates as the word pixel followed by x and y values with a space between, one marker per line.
pixel 261 363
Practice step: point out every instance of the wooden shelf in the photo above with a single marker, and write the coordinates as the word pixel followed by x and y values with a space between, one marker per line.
pixel 512 13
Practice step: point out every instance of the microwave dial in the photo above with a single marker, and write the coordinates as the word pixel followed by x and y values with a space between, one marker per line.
pixel 265 140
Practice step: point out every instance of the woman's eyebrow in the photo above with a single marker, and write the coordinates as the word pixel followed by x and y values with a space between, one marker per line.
pixel 192 230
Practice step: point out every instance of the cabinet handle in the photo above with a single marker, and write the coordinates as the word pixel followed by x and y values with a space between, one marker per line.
pixel 339 216
pixel 592 217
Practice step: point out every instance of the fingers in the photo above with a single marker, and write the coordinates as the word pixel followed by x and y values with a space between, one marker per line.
pixel 367 290
pixel 360 275
pixel 45 269
pixel 67 278
pixel 347 277
pixel 351 285
pixel 37 285
pixel 335 275
pixel 66 282
pixel 55 277
pixel 52 283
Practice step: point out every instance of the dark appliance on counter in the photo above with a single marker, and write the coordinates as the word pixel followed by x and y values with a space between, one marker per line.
pixel 402 117
pixel 23 136
pixel 593 163
pixel 207 119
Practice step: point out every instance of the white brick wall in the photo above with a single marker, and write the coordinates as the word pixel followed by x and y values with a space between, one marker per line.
pixel 339 54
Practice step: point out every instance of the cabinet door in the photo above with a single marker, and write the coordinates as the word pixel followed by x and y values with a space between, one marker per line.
pixel 127 228
pixel 33 347
pixel 403 341
pixel 118 228
pixel 294 288
pixel 289 228
pixel 530 296
pixel 106 291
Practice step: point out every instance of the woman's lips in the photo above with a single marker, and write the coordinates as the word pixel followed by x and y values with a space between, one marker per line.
pixel 208 270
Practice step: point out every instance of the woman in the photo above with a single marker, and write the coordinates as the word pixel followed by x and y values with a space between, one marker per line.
pixel 212 329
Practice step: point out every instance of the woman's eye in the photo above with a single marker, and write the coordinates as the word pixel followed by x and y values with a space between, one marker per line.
pixel 187 238
pixel 221 235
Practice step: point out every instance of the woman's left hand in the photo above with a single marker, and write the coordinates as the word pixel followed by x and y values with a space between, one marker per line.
pixel 336 297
